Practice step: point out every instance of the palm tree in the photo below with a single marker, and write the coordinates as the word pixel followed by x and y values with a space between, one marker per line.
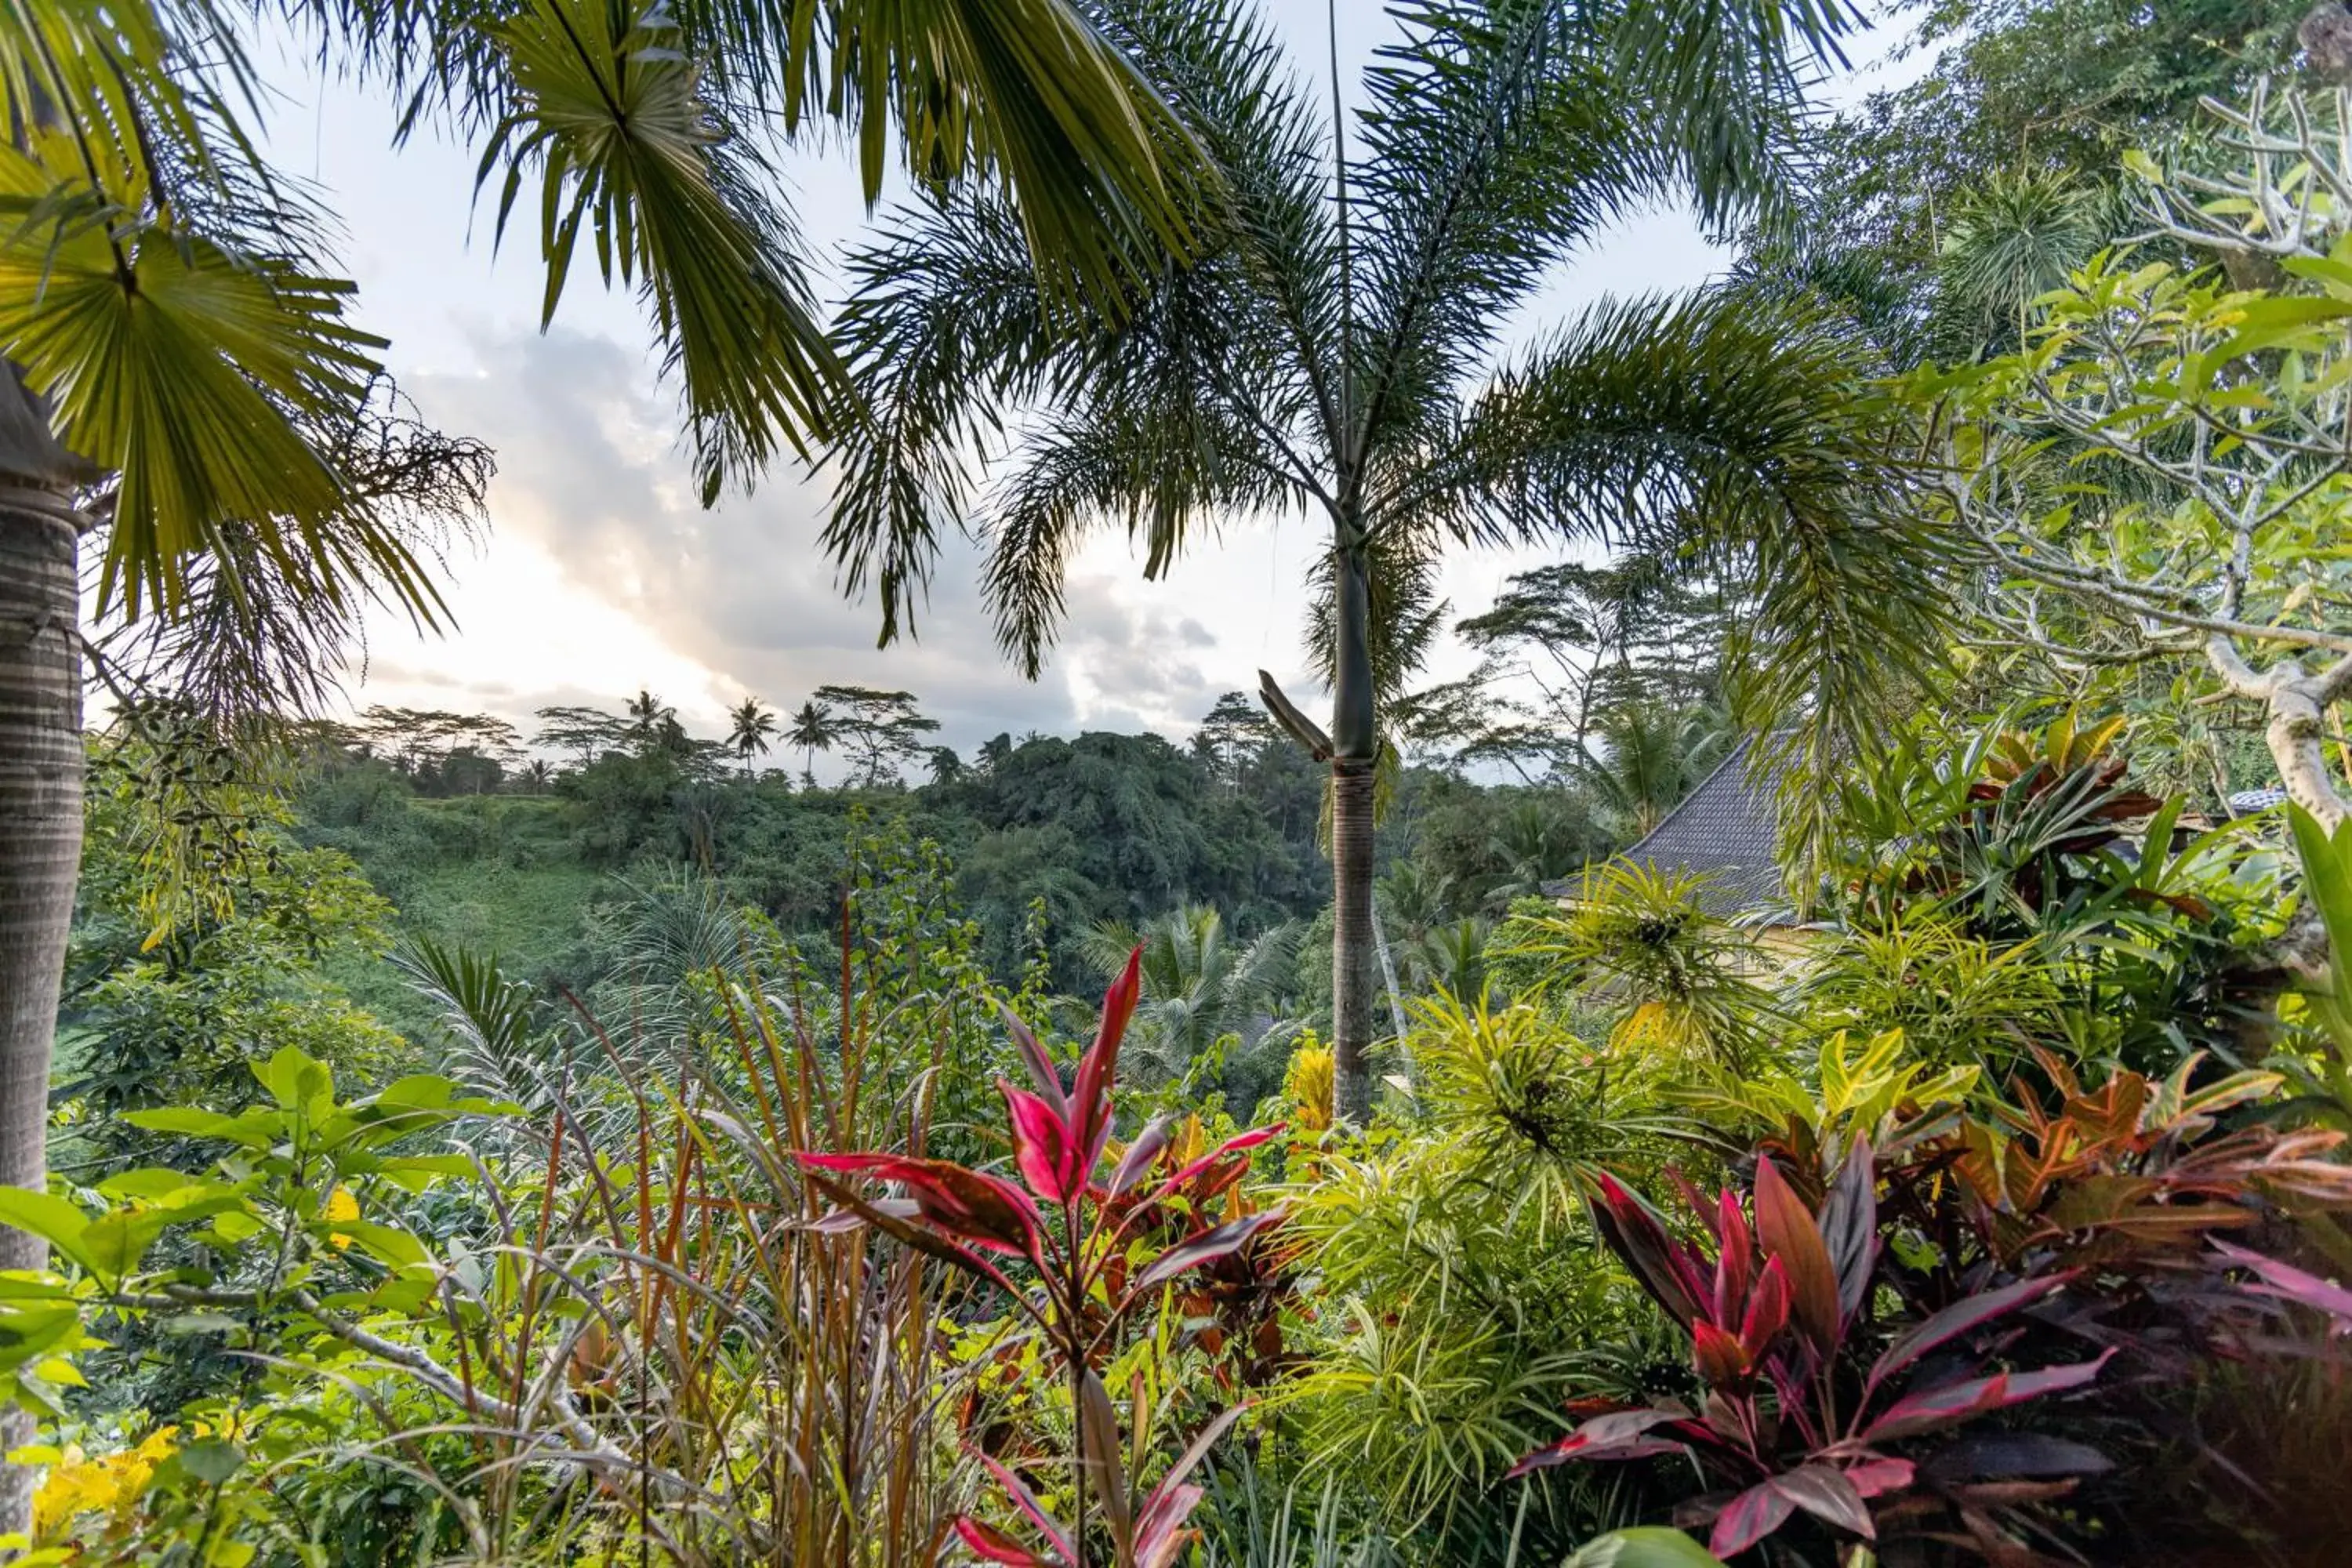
pixel 1536 843
pixel 1451 957
pixel 815 729
pixel 1334 350
pixel 1199 985
pixel 752 726
pixel 181 364
pixel 1651 754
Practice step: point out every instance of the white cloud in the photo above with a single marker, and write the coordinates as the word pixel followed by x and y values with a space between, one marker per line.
pixel 603 574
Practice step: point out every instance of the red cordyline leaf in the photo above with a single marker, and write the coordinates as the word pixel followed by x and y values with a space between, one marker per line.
pixel 1226 1149
pixel 1748 1518
pixel 1735 1261
pixel 991 1544
pixel 1793 1240
pixel 1878 1476
pixel 1161 1536
pixel 1026 1501
pixel 1139 1156
pixel 1205 1248
pixel 1159 1530
pixel 1849 1226
pixel 970 1206
pixel 1672 1272
pixel 1768 1311
pixel 1619 1434
pixel 1045 1146
pixel 1936 1408
pixel 1963 1316
pixel 1718 1356
pixel 1039 1065
pixel 1828 1496
pixel 1090 1112
pixel 902 1221
pixel 2288 1283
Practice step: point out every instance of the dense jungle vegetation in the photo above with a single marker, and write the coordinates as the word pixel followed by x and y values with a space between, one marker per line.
pixel 450 1137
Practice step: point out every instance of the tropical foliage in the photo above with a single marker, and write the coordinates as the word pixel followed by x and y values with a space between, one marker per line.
pixel 585 1144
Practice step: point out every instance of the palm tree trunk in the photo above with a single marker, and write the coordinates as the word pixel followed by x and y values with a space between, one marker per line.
pixel 40 858
pixel 40 822
pixel 1351 937
pixel 1355 746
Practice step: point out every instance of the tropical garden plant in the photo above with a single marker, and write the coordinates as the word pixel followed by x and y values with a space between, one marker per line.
pixel 1065 1226
pixel 185 367
pixel 1334 348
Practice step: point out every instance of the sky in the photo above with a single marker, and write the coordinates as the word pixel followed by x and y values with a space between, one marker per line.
pixel 600 571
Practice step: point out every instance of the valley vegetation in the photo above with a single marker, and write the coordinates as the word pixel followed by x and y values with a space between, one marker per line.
pixel 570 1138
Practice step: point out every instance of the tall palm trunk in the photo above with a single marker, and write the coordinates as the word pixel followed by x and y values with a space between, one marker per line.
pixel 1354 748
pixel 40 821
pixel 40 812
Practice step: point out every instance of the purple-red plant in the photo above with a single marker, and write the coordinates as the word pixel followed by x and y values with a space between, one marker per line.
pixel 1062 1244
pixel 1806 1396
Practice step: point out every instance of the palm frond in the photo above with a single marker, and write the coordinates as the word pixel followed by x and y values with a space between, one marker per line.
pixel 944 326
pixel 1161 471
pixel 1739 431
pixel 1261 970
pixel 1493 138
pixel 496 1041
pixel 1023 94
pixel 1499 135
pixel 607 115
pixel 948 335
pixel 1094 162
pixel 188 370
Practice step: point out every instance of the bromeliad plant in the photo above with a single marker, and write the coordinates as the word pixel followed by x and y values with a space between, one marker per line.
pixel 1811 1403
pixel 1070 1247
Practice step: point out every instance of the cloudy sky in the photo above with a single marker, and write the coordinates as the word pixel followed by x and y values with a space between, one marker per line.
pixel 601 573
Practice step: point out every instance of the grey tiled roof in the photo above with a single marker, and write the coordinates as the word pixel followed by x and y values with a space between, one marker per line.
pixel 1725 830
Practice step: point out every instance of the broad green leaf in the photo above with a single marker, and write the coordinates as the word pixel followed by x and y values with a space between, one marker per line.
pixel 388 1243
pixel 48 1216
pixel 254 1129
pixel 1645 1546
pixel 297 1083
pixel 2327 881
pixel 117 1240
pixel 211 1460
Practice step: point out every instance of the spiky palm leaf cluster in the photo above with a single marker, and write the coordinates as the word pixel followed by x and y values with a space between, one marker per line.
pixel 1201 982
pixel 1343 358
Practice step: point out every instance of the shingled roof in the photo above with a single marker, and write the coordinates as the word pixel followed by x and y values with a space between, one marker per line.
pixel 1725 830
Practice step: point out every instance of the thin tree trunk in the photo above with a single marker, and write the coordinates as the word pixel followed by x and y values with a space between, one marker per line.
pixel 40 811
pixel 40 825
pixel 2296 701
pixel 1396 997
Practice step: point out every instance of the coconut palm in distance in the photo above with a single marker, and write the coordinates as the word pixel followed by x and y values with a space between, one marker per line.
pixel 180 359
pixel 1200 985
pixel 1335 350
pixel 751 727
pixel 815 727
